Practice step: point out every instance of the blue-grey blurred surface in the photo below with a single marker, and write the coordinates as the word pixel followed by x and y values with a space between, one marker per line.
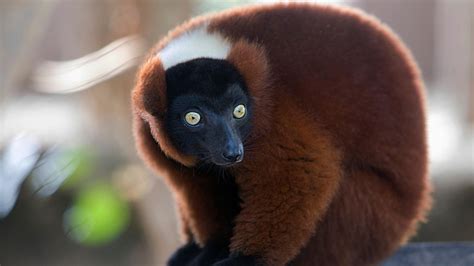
pixel 433 254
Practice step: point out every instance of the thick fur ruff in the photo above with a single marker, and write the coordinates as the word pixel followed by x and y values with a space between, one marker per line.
pixel 338 175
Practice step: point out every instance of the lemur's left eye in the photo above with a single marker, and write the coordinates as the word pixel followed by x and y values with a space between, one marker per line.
pixel 239 111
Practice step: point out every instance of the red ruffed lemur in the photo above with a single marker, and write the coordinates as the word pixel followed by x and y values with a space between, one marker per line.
pixel 289 134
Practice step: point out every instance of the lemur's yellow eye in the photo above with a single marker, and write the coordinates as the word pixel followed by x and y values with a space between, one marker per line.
pixel 239 111
pixel 192 118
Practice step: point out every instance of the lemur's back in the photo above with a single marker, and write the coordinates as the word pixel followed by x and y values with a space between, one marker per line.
pixel 350 72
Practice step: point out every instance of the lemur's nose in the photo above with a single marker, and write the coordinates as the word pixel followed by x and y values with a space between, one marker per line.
pixel 233 154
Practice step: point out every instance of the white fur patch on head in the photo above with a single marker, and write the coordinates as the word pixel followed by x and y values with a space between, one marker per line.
pixel 197 43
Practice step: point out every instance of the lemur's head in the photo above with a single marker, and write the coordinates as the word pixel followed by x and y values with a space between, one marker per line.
pixel 203 95
pixel 209 110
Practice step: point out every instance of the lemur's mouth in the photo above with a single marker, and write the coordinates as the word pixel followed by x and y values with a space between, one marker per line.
pixel 227 164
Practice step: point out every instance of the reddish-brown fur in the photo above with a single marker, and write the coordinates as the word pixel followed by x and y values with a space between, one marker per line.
pixel 339 173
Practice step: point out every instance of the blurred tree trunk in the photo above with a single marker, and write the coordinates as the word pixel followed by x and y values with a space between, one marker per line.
pixel 471 100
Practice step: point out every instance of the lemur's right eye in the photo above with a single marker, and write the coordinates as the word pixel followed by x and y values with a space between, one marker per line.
pixel 192 118
pixel 239 111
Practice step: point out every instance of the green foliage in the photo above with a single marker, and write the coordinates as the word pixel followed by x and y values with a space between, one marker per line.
pixel 98 216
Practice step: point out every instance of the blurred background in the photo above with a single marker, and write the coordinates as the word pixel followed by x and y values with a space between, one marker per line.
pixel 72 190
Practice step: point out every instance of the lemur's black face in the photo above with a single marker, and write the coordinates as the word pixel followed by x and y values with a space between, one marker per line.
pixel 209 110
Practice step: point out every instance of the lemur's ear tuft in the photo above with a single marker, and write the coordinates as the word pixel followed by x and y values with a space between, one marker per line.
pixel 251 61
pixel 149 103
pixel 149 95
